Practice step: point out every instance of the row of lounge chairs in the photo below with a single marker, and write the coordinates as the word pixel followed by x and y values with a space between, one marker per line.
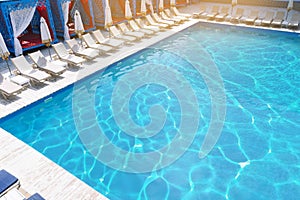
pixel 94 45
pixel 255 16
pixel 10 188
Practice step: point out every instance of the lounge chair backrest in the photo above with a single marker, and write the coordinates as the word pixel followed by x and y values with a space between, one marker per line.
pixel 163 14
pixel 239 12
pixel 150 19
pixel 133 25
pixel 98 36
pixel 254 13
pixel 21 64
pixel 215 9
pixel 115 32
pixel 60 49
pixel 88 39
pixel 123 27
pixel 224 10
pixel 155 16
pixel 168 12
pixel 269 15
pixel 176 11
pixel 280 15
pixel 295 17
pixel 38 58
pixel 140 22
pixel 202 8
pixel 35 55
pixel 73 44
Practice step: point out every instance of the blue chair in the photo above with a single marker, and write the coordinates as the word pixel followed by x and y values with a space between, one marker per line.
pixel 7 182
pixel 36 196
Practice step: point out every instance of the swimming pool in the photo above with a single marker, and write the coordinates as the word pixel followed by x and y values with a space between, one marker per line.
pixel 256 156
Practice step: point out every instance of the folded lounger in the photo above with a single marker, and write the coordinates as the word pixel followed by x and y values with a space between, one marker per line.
pixel 26 69
pixel 135 27
pixel 7 182
pixel 147 27
pixel 268 18
pixel 90 42
pixel 79 50
pixel 237 15
pixel 106 41
pixel 251 18
pixel 65 56
pixel 177 13
pixel 126 31
pixel 214 12
pixel 151 22
pixel 160 20
pixel 223 13
pixel 165 17
pixel 8 88
pixel 117 34
pixel 55 67
pixel 173 16
pixel 278 19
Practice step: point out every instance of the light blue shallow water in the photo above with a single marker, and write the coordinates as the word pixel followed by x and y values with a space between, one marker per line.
pixel 257 155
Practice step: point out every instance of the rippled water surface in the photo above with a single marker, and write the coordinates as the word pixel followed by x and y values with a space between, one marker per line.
pixel 257 155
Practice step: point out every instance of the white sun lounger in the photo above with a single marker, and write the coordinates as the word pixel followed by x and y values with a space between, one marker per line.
pixel 106 41
pixel 135 27
pixel 237 15
pixel 90 42
pixel 165 17
pixel 8 88
pixel 252 17
pixel 162 21
pixel 268 18
pixel 214 12
pixel 223 13
pixel 55 67
pixel 169 14
pixel 79 50
pixel 151 22
pixel 177 13
pixel 148 27
pixel 64 55
pixel 117 34
pixel 26 69
pixel 200 14
pixel 126 31
pixel 278 19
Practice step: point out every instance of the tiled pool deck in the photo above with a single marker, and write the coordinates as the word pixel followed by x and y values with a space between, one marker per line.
pixel 36 172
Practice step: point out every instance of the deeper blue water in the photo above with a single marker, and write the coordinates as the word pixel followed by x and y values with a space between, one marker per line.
pixel 257 155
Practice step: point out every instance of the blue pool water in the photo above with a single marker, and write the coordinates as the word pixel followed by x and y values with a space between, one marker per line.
pixel 257 155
